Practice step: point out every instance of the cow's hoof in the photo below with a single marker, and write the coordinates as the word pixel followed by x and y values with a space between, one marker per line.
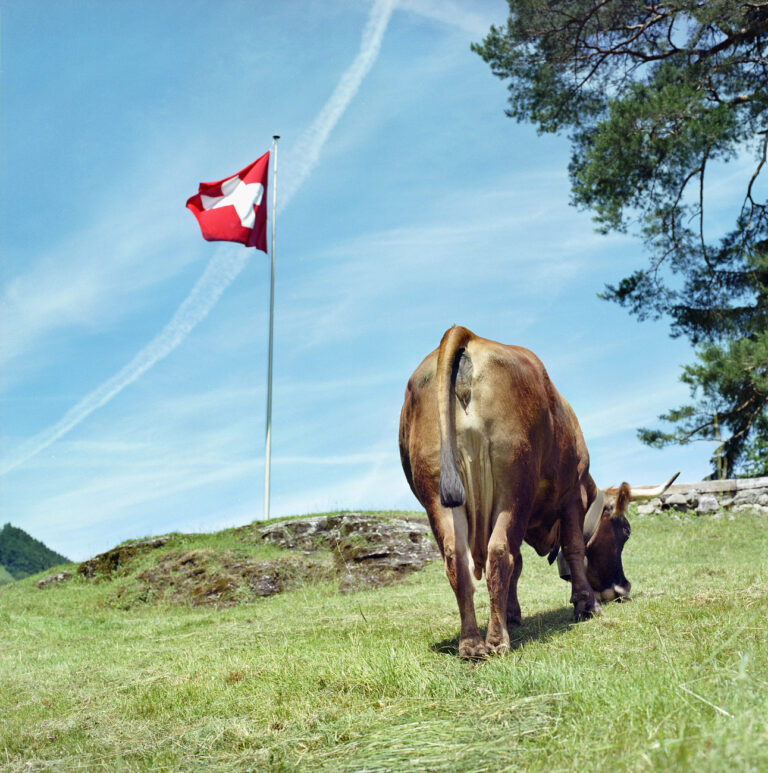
pixel 498 649
pixel 473 649
pixel 585 605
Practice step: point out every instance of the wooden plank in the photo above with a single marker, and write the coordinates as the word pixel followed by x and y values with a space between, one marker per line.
pixel 728 486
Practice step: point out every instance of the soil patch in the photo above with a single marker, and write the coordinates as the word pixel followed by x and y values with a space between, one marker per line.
pixel 203 577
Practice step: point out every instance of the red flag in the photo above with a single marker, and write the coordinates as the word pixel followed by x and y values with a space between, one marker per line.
pixel 235 209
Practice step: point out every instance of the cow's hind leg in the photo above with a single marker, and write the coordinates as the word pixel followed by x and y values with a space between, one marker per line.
pixel 501 567
pixel 451 527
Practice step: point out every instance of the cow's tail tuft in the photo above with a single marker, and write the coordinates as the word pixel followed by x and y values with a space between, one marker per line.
pixel 452 492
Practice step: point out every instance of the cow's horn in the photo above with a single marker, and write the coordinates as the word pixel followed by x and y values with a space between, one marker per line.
pixel 649 492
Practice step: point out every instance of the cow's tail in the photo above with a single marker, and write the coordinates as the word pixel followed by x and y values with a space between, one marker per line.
pixel 452 346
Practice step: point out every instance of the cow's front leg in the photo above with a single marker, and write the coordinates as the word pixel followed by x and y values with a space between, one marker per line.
pixel 452 527
pixel 585 605
pixel 514 614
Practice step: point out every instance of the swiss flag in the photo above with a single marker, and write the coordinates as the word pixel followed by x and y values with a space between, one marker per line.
pixel 235 209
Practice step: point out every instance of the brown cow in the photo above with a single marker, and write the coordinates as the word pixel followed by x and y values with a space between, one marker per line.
pixel 496 456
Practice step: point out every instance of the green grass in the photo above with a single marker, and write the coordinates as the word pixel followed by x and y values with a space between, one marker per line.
pixel 313 680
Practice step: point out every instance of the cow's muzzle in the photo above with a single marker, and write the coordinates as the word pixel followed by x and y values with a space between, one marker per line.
pixel 617 593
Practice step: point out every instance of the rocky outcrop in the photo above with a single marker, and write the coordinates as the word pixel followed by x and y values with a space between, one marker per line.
pixel 712 497
pixel 369 551
pixel 360 550
pixel 104 565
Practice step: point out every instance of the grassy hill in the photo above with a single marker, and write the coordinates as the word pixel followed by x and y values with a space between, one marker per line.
pixel 117 672
pixel 22 555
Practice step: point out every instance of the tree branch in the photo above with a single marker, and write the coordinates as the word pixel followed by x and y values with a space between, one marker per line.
pixel 701 209
pixel 757 172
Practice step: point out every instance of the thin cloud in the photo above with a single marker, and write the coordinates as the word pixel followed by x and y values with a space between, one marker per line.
pixel 109 264
pixel 632 411
pixel 450 13
pixel 227 263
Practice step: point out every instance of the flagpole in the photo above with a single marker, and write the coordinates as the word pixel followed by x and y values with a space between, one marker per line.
pixel 268 442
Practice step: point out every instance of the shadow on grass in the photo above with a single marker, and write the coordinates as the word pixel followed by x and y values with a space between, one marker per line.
pixel 539 627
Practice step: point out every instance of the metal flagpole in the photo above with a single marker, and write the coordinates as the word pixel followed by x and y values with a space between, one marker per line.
pixel 268 445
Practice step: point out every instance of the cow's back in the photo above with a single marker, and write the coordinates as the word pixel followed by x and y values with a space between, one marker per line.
pixel 517 441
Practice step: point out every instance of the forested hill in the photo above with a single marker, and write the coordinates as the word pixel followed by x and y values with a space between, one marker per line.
pixel 5 575
pixel 22 555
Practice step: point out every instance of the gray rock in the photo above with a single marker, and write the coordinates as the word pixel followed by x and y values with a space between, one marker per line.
pixel 645 509
pixel 746 507
pixel 54 579
pixel 763 500
pixel 707 504
pixel 369 551
pixel 692 499
pixel 750 496
pixel 307 534
pixel 656 502
pixel 676 501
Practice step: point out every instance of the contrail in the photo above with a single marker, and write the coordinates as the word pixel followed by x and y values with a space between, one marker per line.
pixel 227 262
pixel 309 145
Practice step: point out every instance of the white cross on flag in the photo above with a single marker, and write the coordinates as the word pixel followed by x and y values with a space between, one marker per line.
pixel 235 209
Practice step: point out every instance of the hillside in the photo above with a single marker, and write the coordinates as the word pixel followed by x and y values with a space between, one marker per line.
pixel 22 555
pixel 174 653
pixel 237 566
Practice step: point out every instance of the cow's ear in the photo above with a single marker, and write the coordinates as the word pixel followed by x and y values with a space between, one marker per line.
pixel 622 500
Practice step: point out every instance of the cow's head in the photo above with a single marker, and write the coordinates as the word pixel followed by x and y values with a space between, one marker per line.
pixel 608 536
pixel 605 572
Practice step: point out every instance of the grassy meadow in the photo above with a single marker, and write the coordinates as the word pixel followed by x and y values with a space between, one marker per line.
pixel 104 676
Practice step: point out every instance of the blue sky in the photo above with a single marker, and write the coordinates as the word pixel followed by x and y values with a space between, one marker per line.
pixel 407 202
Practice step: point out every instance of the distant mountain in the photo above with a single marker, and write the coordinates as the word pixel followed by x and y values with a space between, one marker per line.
pixel 22 555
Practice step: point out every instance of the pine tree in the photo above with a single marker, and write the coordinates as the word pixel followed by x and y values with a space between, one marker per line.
pixel 653 94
